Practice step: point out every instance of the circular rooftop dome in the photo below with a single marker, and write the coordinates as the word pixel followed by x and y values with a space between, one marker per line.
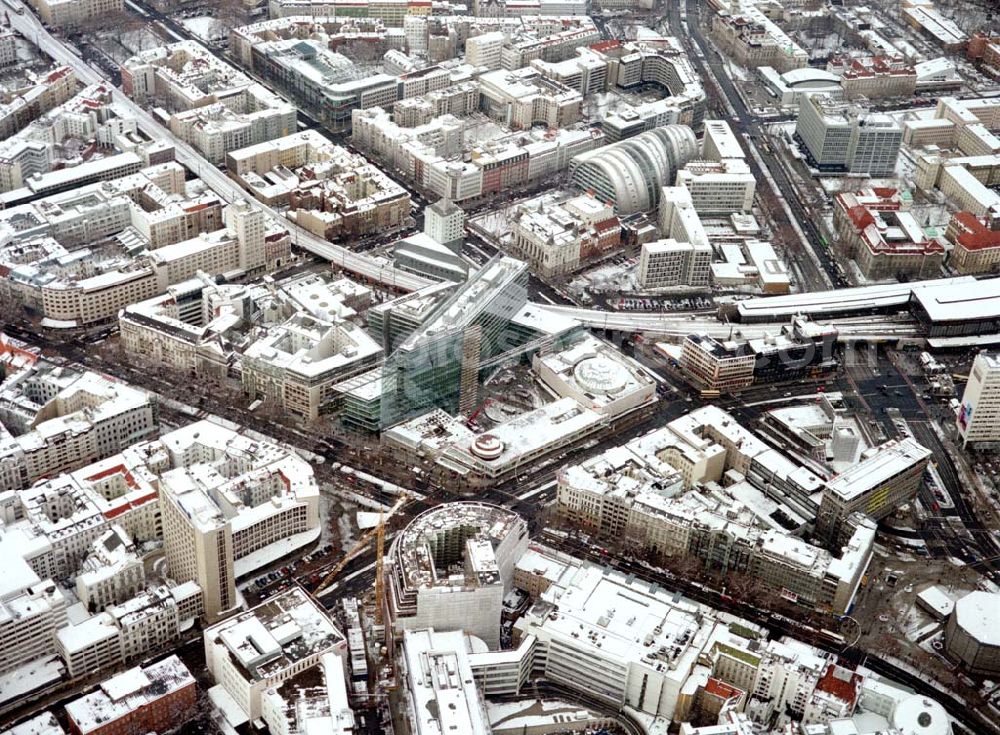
pixel 600 375
pixel 918 715
pixel 487 446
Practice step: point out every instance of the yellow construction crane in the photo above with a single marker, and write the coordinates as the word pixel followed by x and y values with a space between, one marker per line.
pixel 379 533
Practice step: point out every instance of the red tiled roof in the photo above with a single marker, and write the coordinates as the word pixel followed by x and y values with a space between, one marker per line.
pixel 117 510
pixel 118 469
pixel 721 689
pixel 974 235
pixel 844 689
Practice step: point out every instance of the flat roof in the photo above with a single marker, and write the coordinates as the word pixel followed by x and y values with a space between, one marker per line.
pixel 839 300
pixel 890 459
pixel 962 301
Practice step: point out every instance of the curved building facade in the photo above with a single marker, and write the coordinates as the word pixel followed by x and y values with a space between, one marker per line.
pixel 629 173
pixel 451 567
pixel 971 635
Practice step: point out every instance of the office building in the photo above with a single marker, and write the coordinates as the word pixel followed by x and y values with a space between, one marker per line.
pixel 523 98
pixel 314 699
pixel 393 321
pixel 438 365
pixel 719 187
pixel 422 254
pixel 445 222
pixel 219 523
pixel 885 479
pixel 294 365
pixel 631 172
pixel 668 263
pixel 678 219
pixel 713 365
pixel 839 137
pixel 422 587
pixel 258 650
pixel 978 416
pixel 443 696
pixel 485 50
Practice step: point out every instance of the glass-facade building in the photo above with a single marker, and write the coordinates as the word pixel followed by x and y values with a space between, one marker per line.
pixel 438 365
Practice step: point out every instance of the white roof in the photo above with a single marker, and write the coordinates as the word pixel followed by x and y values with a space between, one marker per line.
pixel 890 459
pixel 978 613
pixel 43 724
pixel 442 686
pixel 964 301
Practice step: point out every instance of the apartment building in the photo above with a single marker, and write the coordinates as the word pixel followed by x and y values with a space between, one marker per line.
pixel 31 611
pixel 212 106
pixel 152 698
pixel 668 263
pixel 112 573
pixel 47 91
pixel 433 157
pixel 91 286
pixel 148 622
pixel 64 418
pixel 70 13
pixel 327 189
pixel 8 48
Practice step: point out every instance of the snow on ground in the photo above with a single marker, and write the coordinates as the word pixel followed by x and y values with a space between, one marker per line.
pixel 529 714
pixel 205 27
pixel 30 677
pixel 347 540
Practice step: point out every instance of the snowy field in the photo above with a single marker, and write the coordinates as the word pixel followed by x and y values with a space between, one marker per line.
pixel 205 27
